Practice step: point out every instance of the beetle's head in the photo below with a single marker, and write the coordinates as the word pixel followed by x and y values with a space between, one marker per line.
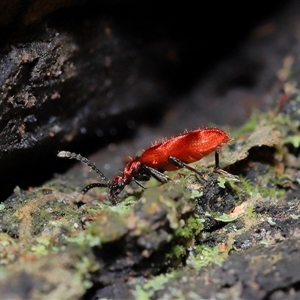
pixel 118 185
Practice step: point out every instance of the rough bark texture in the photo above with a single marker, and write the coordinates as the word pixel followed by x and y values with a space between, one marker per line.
pixel 75 73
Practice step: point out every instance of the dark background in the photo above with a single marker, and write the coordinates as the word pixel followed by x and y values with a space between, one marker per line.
pixel 84 75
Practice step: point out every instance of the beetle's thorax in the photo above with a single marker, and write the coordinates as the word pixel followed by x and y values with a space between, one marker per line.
pixel 132 169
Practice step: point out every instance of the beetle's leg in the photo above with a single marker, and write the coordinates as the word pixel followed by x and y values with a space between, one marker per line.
pixel 221 171
pixel 146 176
pixel 139 184
pixel 159 176
pixel 142 177
pixel 217 161
pixel 180 164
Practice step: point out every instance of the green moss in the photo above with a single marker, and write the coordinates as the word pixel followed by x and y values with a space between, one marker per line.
pixel 202 256
pixel 191 227
pixel 225 218
pixel 140 293
pixel 84 239
pixel 161 220
pixel 153 285
pixel 265 188
pixel 250 212
pixel 178 251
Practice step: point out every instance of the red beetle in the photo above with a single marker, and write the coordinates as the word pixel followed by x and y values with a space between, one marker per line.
pixel 169 155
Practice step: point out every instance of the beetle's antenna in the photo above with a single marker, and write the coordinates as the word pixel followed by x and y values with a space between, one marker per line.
pixel 93 185
pixel 84 160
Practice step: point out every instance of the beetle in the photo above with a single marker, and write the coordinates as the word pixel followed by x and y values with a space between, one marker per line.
pixel 168 155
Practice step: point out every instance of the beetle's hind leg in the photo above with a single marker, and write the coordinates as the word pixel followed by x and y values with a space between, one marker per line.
pixel 180 164
pixel 220 171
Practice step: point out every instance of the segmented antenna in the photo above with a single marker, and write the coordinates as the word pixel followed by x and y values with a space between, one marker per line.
pixel 93 185
pixel 84 160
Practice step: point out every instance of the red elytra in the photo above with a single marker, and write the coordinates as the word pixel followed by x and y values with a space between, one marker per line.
pixel 169 155
pixel 187 147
